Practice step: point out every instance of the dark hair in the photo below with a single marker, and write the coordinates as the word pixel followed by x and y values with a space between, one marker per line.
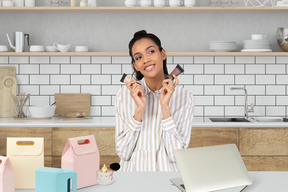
pixel 140 35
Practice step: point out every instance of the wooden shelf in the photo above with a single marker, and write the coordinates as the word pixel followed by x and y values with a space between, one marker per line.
pixel 143 8
pixel 126 53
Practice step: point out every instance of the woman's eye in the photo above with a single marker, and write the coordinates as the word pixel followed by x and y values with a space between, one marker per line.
pixel 137 58
pixel 151 51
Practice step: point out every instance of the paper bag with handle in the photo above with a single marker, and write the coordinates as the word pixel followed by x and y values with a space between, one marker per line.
pixel 6 175
pixel 26 155
pixel 82 156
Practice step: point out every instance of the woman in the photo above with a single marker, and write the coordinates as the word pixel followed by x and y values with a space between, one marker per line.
pixel 153 116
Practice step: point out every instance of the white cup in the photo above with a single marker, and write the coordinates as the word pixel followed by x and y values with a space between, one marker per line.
pixel 145 3
pixel 81 48
pixel 29 3
pixel 7 3
pixel 175 3
pixel 190 3
pixel 3 48
pixel 130 3
pixel 258 36
pixel 160 3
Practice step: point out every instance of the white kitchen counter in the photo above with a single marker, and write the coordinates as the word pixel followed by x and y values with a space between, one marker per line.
pixel 160 181
pixel 110 122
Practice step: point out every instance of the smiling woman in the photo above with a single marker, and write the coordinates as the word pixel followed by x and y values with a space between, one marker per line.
pixel 153 116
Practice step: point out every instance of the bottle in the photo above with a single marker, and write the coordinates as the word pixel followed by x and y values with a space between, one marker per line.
pixel 83 3
pixel 73 3
pixel 105 176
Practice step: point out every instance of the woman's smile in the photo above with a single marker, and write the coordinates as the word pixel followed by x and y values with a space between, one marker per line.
pixel 149 67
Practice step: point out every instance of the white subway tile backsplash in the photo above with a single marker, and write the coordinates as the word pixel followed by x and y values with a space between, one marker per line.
pixel 275 90
pixel 92 89
pixel 231 111
pixel 32 89
pixel 39 59
pixel 49 69
pixel 70 69
pixel 255 69
pixel 258 111
pixel 169 60
pixel 224 59
pixel 245 59
pixel 116 80
pixel 203 79
pixel 185 79
pixel 282 59
pixel 101 79
pixel 39 79
pixel 90 69
pixel 39 100
pixel 240 100
pixel 80 79
pixel 255 89
pixel 282 100
pixel 70 89
pixel 244 79
pixel 265 59
pixel 224 79
pixel 193 69
pixel 95 111
pixel 127 69
pixel 265 100
pixel 108 111
pixel 22 79
pixel 80 59
pixel 110 89
pixel 195 89
pixel 275 110
pixel 282 79
pixel 60 79
pixel 111 69
pixel 214 89
pixel 202 59
pixel 214 111
pixel 121 59
pixel 183 59
pixel 101 100
pixel 234 69
pixel 224 100
pixel 204 100
pixel 275 69
pixel 214 69
pixel 113 98
pixel 198 111
pixel 18 59
pixel 49 89
pixel 29 69
pixel 265 79
pixel 60 59
pixel 4 59
pixel 101 59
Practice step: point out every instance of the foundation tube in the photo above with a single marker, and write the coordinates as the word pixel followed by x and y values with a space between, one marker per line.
pixel 176 71
pixel 125 78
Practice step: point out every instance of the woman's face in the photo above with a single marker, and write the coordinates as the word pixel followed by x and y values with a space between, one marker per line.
pixel 148 59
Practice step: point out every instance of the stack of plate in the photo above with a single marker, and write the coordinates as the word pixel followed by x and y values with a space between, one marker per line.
pixel 222 46
pixel 252 45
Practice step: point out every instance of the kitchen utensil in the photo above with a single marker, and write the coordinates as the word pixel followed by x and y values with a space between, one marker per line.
pixel 8 86
pixel 282 38
pixel 3 48
pixel 19 39
pixel 72 103
pixel 36 48
pixel 62 48
pixel 222 46
pixel 81 49
pixel 20 105
pixel 42 111
pixel 51 49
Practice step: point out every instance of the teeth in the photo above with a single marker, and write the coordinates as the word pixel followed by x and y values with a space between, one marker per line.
pixel 151 66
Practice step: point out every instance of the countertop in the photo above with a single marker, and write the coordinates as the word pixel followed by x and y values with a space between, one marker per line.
pixel 160 181
pixel 103 122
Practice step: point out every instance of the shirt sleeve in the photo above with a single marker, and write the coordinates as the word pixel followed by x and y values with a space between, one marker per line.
pixel 127 128
pixel 178 136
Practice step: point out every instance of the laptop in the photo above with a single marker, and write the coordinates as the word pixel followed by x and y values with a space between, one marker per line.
pixel 212 168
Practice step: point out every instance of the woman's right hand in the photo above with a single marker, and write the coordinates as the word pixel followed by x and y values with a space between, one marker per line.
pixel 137 92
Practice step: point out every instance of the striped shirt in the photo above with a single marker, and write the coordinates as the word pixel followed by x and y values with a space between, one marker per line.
pixel 149 145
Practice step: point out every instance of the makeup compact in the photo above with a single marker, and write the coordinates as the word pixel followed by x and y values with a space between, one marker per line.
pixel 176 71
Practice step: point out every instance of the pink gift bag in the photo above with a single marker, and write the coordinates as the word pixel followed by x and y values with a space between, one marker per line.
pixel 6 175
pixel 82 156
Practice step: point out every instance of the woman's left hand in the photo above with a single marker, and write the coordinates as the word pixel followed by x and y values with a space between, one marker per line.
pixel 167 91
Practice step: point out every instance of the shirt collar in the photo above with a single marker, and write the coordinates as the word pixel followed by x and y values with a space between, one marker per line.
pixel 147 90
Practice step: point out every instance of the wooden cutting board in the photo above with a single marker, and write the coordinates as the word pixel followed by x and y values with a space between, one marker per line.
pixel 72 103
pixel 8 86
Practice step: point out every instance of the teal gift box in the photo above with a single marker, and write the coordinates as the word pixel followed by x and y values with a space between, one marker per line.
pixel 55 180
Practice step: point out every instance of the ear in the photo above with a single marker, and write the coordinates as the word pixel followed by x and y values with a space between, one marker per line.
pixel 164 55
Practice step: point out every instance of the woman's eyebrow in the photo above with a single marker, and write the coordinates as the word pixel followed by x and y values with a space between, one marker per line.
pixel 145 49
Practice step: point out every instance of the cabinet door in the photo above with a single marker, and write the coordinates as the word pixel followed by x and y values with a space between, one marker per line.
pixel 105 139
pixel 28 132
pixel 213 136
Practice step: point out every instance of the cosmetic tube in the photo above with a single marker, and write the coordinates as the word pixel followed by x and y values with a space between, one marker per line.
pixel 176 71
pixel 125 78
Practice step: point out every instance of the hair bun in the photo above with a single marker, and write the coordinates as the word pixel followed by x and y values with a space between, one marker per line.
pixel 140 33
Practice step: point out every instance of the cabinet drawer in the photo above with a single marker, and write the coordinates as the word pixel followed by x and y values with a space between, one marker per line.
pixel 263 141
pixel 213 136
pixel 266 163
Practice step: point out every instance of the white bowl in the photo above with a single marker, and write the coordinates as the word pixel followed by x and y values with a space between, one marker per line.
pixel 3 48
pixel 42 112
pixel 36 48
pixel 64 48
pixel 51 48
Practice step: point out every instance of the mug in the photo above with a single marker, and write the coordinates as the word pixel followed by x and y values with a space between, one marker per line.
pixel 160 3
pixel 130 3
pixel 81 49
pixel 258 36
pixel 145 3
pixel 175 3
pixel 189 3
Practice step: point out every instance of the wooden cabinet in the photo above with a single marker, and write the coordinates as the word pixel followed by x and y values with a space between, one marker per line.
pixel 262 149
